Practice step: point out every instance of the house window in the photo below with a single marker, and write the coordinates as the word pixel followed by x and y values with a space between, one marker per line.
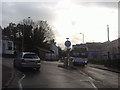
pixel 9 45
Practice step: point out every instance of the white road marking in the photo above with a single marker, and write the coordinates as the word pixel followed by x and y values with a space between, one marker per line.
pixel 93 85
pixel 90 83
pixel 19 82
pixel 91 80
pixel 83 73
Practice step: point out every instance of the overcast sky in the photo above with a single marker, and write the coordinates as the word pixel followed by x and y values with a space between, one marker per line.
pixel 68 18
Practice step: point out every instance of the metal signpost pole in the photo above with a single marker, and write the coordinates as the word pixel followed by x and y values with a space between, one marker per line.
pixel 67 44
pixel 68 58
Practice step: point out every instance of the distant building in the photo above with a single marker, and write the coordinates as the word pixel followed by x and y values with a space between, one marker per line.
pixel 42 52
pixel 53 55
pixel 54 48
pixel 112 48
pixel 97 50
pixel 101 50
pixel 94 50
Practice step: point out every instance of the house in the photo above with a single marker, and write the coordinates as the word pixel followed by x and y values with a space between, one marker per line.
pixel 41 52
pixel 53 55
pixel 104 50
pixel 54 48
pixel 112 48
pixel 7 46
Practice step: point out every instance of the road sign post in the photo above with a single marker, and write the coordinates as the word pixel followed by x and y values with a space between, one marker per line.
pixel 68 44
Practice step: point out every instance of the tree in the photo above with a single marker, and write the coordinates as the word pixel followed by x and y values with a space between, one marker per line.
pixel 10 31
pixel 29 35
pixel 47 30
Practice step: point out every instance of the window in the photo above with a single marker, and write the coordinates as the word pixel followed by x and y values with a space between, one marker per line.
pixel 32 56
pixel 9 45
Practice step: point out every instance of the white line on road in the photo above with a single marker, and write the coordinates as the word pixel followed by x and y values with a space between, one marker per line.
pixel 19 82
pixel 93 85
pixel 91 80
pixel 90 83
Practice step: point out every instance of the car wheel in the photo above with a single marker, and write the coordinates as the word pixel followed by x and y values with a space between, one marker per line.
pixel 14 65
pixel 37 69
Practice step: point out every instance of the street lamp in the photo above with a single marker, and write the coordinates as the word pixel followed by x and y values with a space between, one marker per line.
pixel 83 36
pixel 108 32
pixel 108 46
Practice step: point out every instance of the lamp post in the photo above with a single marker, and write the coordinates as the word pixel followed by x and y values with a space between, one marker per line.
pixel 83 36
pixel 109 59
pixel 108 32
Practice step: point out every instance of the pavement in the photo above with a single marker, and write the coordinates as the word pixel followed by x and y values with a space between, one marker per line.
pixel 103 67
pixel 6 76
pixel 8 73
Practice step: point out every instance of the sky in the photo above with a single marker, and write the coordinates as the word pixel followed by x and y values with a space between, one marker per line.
pixel 68 18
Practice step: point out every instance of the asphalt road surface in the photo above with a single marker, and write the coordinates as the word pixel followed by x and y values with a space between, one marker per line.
pixel 52 76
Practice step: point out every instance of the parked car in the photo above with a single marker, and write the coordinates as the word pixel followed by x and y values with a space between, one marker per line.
pixel 27 60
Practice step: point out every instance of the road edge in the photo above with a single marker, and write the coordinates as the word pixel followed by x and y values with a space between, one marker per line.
pixel 10 79
pixel 105 68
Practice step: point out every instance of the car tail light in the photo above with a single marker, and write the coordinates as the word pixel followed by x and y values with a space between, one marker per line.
pixel 22 60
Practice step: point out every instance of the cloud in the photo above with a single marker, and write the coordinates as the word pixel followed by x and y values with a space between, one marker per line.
pixel 68 17
pixel 113 5
pixel 16 11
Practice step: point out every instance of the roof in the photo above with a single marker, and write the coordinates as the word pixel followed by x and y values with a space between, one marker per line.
pixel 28 53
pixel 44 50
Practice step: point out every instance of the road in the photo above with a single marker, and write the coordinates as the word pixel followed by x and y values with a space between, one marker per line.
pixel 52 76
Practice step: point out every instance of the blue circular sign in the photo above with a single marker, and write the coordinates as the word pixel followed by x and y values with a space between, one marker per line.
pixel 67 43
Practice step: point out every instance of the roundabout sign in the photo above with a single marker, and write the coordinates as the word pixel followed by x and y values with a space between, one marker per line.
pixel 67 43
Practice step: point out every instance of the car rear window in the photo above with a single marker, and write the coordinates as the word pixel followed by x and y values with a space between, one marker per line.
pixel 31 56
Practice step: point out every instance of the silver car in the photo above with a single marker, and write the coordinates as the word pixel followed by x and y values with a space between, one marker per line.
pixel 27 60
